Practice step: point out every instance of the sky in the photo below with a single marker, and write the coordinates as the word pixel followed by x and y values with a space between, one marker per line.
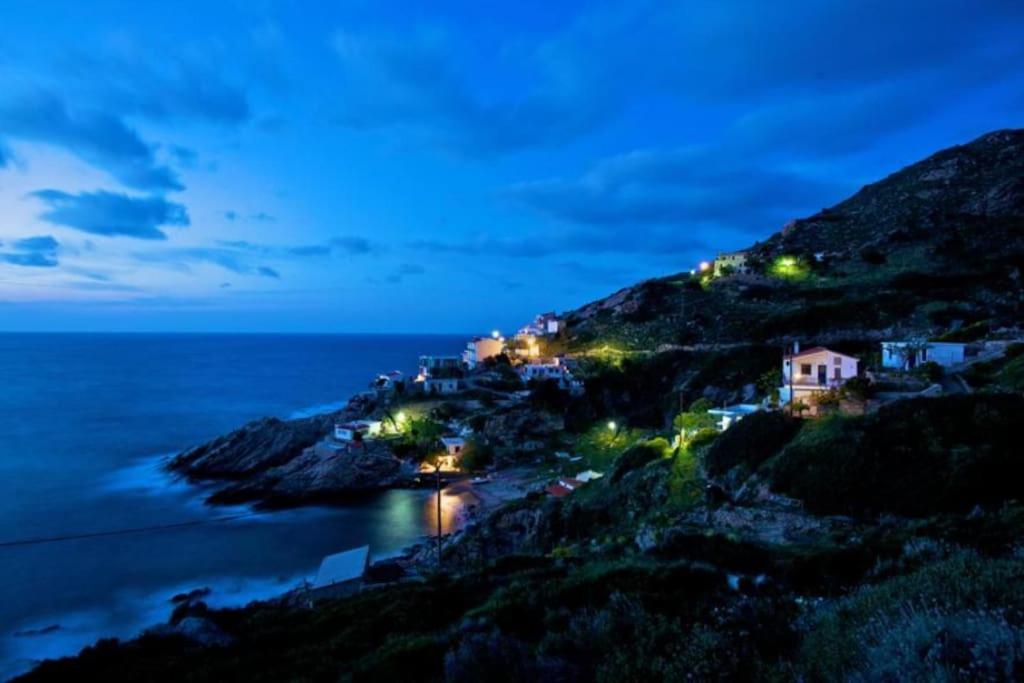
pixel 275 166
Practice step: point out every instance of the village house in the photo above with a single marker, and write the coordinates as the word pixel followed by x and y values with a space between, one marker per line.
pixel 431 366
pixel 480 349
pixel 907 355
pixel 554 370
pixel 545 324
pixel 387 381
pixel 347 432
pixel 811 372
pixel 441 385
pixel 730 262
pixel 525 345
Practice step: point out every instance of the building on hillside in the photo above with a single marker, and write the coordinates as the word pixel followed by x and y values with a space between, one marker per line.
pixel 525 345
pixel 341 574
pixel 433 366
pixel 730 415
pixel 480 349
pixel 588 475
pixel 730 262
pixel 907 355
pixel 557 491
pixel 441 385
pixel 453 445
pixel 544 325
pixel 811 372
pixel 555 370
pixel 356 430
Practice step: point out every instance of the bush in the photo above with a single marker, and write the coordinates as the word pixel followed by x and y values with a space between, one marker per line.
pixel 476 455
pixel 636 457
pixel 750 442
pixel 915 457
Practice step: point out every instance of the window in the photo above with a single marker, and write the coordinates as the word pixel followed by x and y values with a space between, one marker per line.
pixel 805 368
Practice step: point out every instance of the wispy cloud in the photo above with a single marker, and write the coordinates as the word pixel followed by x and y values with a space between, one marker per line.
pixel 183 258
pixel 112 214
pixel 32 252
pixel 403 271
pixel 100 138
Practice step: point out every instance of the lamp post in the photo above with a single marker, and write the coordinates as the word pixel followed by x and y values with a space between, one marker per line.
pixel 437 471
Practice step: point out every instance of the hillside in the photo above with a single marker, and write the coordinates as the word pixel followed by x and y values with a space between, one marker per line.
pixel 936 246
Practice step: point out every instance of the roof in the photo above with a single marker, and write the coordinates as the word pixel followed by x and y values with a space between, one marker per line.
pixel 571 484
pixel 558 491
pixel 452 440
pixel 355 424
pixel 588 475
pixel 343 566
pixel 737 409
pixel 818 349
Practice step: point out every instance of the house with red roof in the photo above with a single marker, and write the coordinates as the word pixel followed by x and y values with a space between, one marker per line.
pixel 811 372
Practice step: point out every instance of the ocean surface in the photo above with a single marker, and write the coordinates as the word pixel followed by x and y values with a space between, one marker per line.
pixel 85 420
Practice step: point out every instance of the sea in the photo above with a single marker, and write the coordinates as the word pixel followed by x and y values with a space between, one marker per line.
pixel 86 421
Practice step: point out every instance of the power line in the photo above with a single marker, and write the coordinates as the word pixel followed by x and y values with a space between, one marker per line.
pixel 124 532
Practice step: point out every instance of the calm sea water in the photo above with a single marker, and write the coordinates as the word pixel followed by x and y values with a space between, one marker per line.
pixel 84 422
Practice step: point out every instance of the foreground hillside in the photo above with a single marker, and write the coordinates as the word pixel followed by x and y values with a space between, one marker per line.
pixel 875 546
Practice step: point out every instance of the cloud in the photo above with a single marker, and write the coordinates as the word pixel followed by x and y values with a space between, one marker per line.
pixel 262 216
pixel 403 271
pixel 162 84
pixel 5 155
pixel 677 187
pixel 410 81
pixel 552 243
pixel 112 214
pixel 95 136
pixel 32 252
pixel 353 245
pixel 182 258
pixel 611 59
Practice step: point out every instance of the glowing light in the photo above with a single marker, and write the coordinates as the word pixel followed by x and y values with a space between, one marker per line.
pixel 611 425
pixel 495 334
pixel 787 261
pixel 704 265
pixel 401 416
pixel 693 271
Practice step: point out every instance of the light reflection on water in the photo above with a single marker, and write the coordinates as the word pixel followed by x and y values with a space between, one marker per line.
pixel 455 506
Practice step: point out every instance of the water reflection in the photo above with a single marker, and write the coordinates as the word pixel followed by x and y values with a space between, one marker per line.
pixel 456 503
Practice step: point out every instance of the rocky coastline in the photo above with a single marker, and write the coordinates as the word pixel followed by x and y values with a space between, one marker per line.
pixel 274 463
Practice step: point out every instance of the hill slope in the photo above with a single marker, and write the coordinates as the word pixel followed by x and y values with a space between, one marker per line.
pixel 937 245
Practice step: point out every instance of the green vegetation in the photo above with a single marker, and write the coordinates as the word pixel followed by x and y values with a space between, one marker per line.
pixel 789 267
pixel 750 442
pixel 601 444
pixel 916 457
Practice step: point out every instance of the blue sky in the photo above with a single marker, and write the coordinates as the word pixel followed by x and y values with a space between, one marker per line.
pixel 373 166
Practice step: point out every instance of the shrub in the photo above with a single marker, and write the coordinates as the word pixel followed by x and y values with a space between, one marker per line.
pixel 636 457
pixel 750 442
pixel 476 455
pixel 915 457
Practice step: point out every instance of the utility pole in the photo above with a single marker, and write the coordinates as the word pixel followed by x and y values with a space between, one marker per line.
pixel 792 368
pixel 437 471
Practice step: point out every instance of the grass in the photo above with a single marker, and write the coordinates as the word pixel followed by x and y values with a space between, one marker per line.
pixel 600 445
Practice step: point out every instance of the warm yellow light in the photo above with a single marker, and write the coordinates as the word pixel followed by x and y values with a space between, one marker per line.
pixel 704 265
pixel 787 261
pixel 611 425
pixel 401 416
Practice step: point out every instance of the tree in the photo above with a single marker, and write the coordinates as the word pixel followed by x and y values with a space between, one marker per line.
pixel 909 351
pixel 476 455
pixel 694 420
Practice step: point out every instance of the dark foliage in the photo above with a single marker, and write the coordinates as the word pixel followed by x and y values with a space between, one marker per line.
pixel 916 457
pixel 750 442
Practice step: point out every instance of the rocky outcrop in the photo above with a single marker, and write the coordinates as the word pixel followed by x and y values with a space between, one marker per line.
pixel 321 474
pixel 277 462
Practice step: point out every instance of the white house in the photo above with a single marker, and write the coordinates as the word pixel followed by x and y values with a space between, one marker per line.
pixel 480 349
pixel 736 261
pixel 730 415
pixel 347 431
pixel 806 373
pixel 441 385
pixel 907 355
pixel 553 370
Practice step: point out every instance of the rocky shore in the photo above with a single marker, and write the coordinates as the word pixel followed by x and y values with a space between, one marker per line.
pixel 275 463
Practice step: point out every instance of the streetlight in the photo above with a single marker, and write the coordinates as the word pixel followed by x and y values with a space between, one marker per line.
pixel 495 334
pixel 611 425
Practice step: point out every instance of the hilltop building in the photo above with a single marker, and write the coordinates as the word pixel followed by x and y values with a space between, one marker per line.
pixel 730 262
pixel 358 429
